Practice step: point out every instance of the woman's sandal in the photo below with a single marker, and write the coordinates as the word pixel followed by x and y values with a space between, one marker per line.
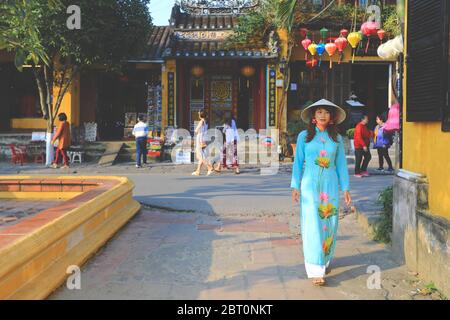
pixel 195 173
pixel 318 282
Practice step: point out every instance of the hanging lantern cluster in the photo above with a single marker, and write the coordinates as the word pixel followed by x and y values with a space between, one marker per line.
pixel 372 29
pixel 327 44
pixel 331 45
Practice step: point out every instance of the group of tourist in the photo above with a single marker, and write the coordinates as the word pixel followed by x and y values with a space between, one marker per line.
pixel 227 158
pixel 382 141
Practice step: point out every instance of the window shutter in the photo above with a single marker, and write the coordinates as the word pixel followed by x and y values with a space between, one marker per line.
pixel 427 60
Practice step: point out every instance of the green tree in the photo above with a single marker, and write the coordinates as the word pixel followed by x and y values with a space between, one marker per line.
pixel 37 31
pixel 254 29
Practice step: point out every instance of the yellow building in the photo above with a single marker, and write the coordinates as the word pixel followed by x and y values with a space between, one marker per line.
pixel 422 187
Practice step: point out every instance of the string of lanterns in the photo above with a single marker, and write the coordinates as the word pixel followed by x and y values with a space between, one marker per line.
pixel 331 45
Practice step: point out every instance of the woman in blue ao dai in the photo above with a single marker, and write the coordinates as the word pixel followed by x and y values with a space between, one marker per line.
pixel 319 170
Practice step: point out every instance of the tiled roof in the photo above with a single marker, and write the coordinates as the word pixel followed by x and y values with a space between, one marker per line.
pixel 157 43
pixel 195 36
pixel 181 20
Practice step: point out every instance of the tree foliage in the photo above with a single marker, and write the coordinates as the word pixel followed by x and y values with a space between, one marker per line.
pixel 112 31
pixel 36 30
pixel 253 29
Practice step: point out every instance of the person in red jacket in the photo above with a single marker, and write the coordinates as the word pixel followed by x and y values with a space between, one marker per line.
pixel 362 143
pixel 63 137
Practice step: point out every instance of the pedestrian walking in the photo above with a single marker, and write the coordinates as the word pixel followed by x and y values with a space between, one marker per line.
pixel 231 136
pixel 200 144
pixel 362 143
pixel 235 147
pixel 320 150
pixel 382 141
pixel 63 137
pixel 140 132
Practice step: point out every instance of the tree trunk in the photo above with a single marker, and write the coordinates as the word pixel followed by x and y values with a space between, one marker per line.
pixel 48 143
pixel 50 111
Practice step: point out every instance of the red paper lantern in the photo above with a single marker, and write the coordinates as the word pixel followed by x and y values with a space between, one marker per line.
pixel 344 33
pixel 341 43
pixel 311 63
pixel 197 71
pixel 303 32
pixel 370 28
pixel 381 33
pixel 247 71
pixel 305 44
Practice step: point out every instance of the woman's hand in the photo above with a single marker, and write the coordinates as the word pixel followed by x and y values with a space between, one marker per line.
pixel 347 198
pixel 295 195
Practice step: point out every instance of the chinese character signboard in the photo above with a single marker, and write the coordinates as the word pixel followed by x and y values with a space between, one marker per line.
pixel 271 101
pixel 171 104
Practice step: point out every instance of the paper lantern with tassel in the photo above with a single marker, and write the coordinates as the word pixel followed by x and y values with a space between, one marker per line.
pixel 311 63
pixel 369 29
pixel 381 34
pixel 312 48
pixel 331 48
pixel 344 33
pixel 354 39
pixel 341 43
pixel 306 43
pixel 320 48
pixel 197 71
pixel 248 72
pixel 323 33
pixel 303 32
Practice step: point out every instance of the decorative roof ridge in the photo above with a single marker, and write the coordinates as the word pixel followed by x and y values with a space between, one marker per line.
pixel 216 7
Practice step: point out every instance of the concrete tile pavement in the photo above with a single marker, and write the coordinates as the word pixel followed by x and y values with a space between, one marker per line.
pixel 231 237
pixel 154 260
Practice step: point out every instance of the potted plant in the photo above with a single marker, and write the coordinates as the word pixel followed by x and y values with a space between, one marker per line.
pixel 294 127
pixel 350 135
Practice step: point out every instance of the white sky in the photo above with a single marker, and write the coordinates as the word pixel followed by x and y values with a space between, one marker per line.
pixel 160 11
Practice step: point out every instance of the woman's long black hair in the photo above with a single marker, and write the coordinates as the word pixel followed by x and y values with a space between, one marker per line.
pixel 331 128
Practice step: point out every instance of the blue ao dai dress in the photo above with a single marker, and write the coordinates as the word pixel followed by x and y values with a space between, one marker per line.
pixel 320 168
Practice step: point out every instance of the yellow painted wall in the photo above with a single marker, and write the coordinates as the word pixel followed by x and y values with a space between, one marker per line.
pixel 425 151
pixel 29 123
pixel 70 106
pixel 71 102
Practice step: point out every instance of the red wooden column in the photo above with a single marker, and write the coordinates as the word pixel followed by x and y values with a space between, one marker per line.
pixel 262 96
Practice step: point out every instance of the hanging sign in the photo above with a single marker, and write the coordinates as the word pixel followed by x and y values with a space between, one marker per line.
pixel 272 96
pixel 171 104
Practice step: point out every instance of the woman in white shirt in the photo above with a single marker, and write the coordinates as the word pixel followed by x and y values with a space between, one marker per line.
pixel 200 144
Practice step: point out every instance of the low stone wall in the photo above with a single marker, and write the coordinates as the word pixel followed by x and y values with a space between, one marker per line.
pixel 36 253
pixel 420 239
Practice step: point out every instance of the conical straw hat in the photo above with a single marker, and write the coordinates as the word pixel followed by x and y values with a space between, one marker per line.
pixel 340 113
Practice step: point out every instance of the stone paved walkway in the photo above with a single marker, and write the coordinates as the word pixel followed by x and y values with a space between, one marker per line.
pixel 228 237
pixel 165 255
